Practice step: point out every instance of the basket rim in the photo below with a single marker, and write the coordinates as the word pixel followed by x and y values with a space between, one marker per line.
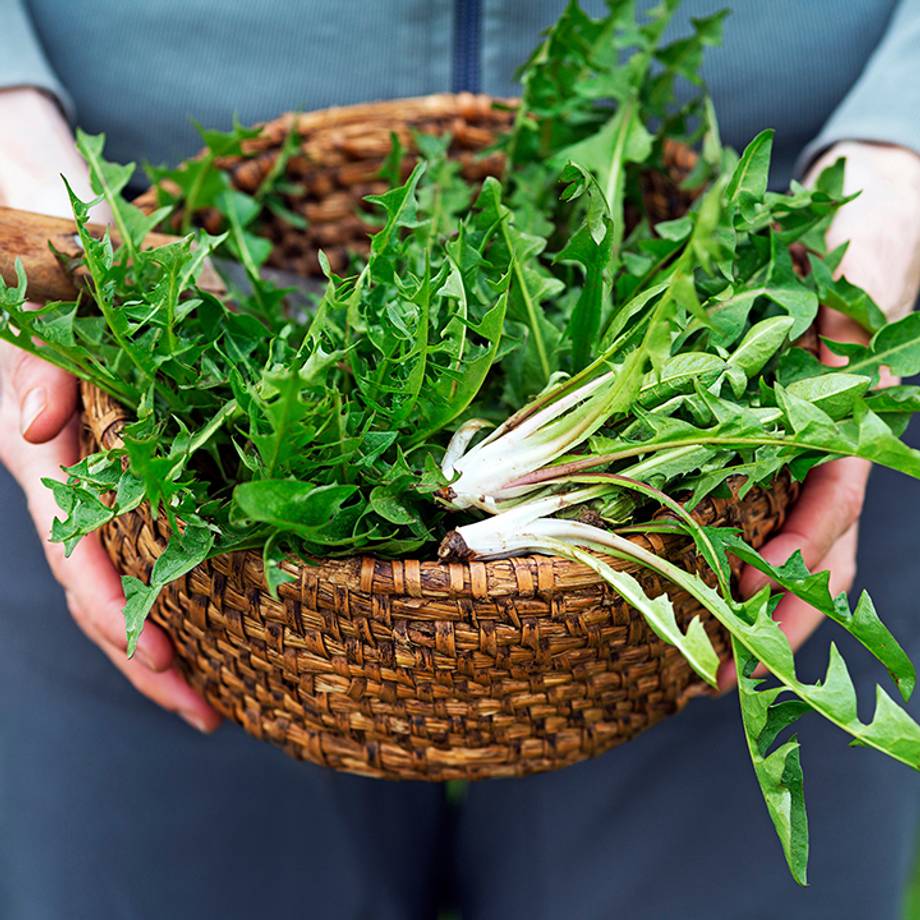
pixel 421 577
pixel 355 115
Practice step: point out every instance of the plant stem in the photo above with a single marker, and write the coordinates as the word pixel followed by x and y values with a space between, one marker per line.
pixel 529 305
pixel 191 199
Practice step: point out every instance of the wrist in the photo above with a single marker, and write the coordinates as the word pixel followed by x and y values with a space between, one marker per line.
pixel 38 148
pixel 887 163
pixel 881 225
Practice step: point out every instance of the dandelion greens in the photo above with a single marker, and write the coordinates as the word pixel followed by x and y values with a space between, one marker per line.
pixel 506 364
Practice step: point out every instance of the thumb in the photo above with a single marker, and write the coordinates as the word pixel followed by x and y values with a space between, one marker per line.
pixel 46 397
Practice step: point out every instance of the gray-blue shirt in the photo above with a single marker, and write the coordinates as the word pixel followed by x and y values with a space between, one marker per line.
pixel 816 70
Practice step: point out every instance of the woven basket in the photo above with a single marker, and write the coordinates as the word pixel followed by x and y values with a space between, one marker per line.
pixel 411 669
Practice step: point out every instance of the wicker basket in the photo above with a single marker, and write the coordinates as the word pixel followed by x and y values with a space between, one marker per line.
pixel 410 669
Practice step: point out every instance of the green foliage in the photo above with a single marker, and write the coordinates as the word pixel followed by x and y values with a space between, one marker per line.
pixel 757 637
pixel 648 357
pixel 863 623
pixel 779 771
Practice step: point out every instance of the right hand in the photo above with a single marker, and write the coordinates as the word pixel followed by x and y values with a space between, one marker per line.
pixel 39 423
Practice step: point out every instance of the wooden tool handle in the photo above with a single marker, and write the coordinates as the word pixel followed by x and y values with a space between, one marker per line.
pixel 29 237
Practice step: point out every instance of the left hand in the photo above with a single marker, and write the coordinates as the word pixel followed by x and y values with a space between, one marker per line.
pixel 39 425
pixel 883 228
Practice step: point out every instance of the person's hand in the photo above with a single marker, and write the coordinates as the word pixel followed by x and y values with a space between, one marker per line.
pixel 883 227
pixel 39 424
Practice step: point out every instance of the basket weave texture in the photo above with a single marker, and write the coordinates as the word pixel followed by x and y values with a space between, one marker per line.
pixel 410 669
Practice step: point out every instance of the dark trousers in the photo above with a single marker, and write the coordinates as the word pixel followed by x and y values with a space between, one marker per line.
pixel 110 808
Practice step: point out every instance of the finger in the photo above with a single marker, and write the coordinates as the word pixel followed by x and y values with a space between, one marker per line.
pixel 96 598
pixel 166 686
pixel 839 328
pixel 46 396
pixel 88 577
pixel 830 503
pixel 169 690
pixel 799 620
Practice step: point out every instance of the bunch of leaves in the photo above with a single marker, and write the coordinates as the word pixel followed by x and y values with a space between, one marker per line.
pixel 720 398
pixel 697 322
pixel 675 344
pixel 314 438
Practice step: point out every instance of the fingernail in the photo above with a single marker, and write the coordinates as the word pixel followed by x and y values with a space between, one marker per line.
pixel 196 721
pixel 144 657
pixel 32 406
pixel 144 652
